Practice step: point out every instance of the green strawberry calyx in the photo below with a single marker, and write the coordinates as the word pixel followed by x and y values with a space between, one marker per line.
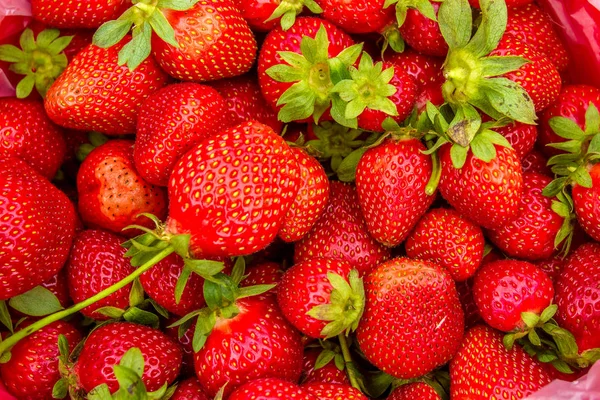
pixel 41 59
pixel 288 10
pixel 423 6
pixel 96 139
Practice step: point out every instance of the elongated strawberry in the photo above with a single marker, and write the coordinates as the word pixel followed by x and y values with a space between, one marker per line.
pixel 111 192
pixel 171 121
pixel 265 15
pixel 483 368
pixel 443 237
pixel 76 14
pixel 36 228
pixel 587 203
pixel 28 134
pixel 271 389
pixel 334 391
pixel 426 326
pixel 342 233
pixel 362 16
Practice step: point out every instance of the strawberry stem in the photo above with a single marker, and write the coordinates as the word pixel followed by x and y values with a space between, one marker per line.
pixel 350 368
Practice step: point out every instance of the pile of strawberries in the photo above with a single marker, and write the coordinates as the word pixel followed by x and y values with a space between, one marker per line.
pixel 296 199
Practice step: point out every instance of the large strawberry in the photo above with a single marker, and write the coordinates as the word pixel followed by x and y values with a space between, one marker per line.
pixel 171 121
pixel 426 325
pixel 391 180
pixel 271 389
pixel 483 368
pixel 111 192
pixel 69 14
pixel 28 134
pixel 36 228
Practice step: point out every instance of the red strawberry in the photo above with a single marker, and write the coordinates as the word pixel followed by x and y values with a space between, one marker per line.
pixel 504 289
pixel 552 266
pixel 443 237
pixel 97 261
pixel 170 122
pixel 71 14
pixel 240 184
pixel 271 389
pixel 535 162
pixel 416 390
pixel 189 389
pixel 521 137
pixel 329 373
pixel 509 3
pixel 311 200
pixel 423 34
pixel 28 134
pixel 245 102
pixel 106 345
pixel 578 296
pixel 426 325
pixel 36 228
pixel 358 16
pixel 391 179
pixel 59 287
pixel 465 293
pixel 185 342
pixel 483 368
pixel 111 192
pixel 487 193
pixel 587 203
pixel 32 369
pixel 257 343
pixel 264 273
pixel 334 391
pixel 95 93
pixel 341 232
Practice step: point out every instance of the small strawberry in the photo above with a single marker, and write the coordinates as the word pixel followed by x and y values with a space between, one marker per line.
pixel 271 389
pixel 426 325
pixel 483 368
pixel 266 15
pixel 76 14
pixel 189 389
pixel 359 16
pixel 422 31
pixel 170 122
pixel 443 237
pixel 416 390
pixel 586 201
pixel 315 372
pixel 112 195
pixel 334 391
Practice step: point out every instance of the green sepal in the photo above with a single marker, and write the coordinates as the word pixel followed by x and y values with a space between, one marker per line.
pixel 566 128
pixel 548 313
pixel 136 295
pixel 177 5
pixel 111 312
pixel 100 392
pixel 464 125
pixel 334 142
pixel 346 171
pixel 494 16
pixel 530 319
pixel 555 187
pixel 254 290
pixel 324 358
pixel 402 6
pixel 204 325
pixel 141 317
pixel 509 341
pixel 288 10
pixel 509 99
pixel 5 318
pixel 592 120
pixel 37 302
pixel 562 366
pixel 112 32
pixel 499 65
pixel 60 389
pixel 458 155
pixel 455 21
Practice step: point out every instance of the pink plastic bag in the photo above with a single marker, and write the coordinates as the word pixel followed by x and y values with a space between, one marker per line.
pixel 585 388
pixel 15 15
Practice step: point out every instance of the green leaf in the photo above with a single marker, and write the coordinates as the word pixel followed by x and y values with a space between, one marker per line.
pixel 100 392
pixel 509 341
pixel 582 176
pixel 162 28
pixel 390 125
pixel 60 389
pixel 181 284
pixel 181 244
pixel 458 155
pixel 133 360
pixel 138 48
pixel 495 138
pixel 534 338
pixel 136 295
pixel 45 37
pixel 177 5
pixel 239 269
pixel 27 41
pixel 63 346
pixel 555 187
pixel 565 342
pixel 455 22
pixel 131 385
pixel 592 120
pixel 346 171
pixel 163 393
pixel 562 366
pixel 324 358
pixel 530 319
pixel 11 54
pixel 464 125
pixel 509 99
pixel 204 326
pixel 255 290
pixel 112 32
pixel 591 355
pixel 349 55
pixel 483 149
pixel 548 313
pixel 425 7
pixel 493 24
pixel 111 312
pixel 204 268
pixel 37 302
pixel 594 146
pixel 566 128
pixel 25 86
pixel 141 317
pixel 500 65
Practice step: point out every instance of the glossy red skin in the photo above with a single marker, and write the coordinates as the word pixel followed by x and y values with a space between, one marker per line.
pixel 424 70
pixel 390 182
pixel 403 99
pixel 36 228
pixel 578 296
pixel 483 368
pixel 311 199
pixel 572 103
pixel 271 389
pixel 170 122
pixel 58 285
pixel 304 286
pixel 32 369
pixel 264 273
pixel 280 40
pixel 342 233
pixel 536 162
pixel 530 236
pixel 426 323
pixel 245 102
pixel 328 373
pixel 97 261
pixel 539 77
pixel 509 3
pixel 334 391
pixel 465 293
pixel 27 133
pixel 189 389
pixel 587 204
pixel 256 13
pixel 106 345
pixel 226 50
pixel 489 207
pixel 185 343
pixel 111 192
pixel 423 34
pixel 444 237
pixel 257 343
pixel 416 390
pixel 223 167
pixel 552 267
pixel 521 137
pixel 94 93
pixel 358 16
pixel 75 14
pixel 506 288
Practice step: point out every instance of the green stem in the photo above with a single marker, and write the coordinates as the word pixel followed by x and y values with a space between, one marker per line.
pixel 350 371
pixel 436 173
pixel 12 340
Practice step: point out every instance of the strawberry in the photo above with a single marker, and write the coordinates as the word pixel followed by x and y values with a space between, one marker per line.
pixel 62 14
pixel 483 368
pixel 33 367
pixel 59 287
pixel 443 237
pixel 416 390
pixel 245 102
pixel 111 192
pixel 311 200
pixel 521 137
pixel 97 261
pixel 334 391
pixel 189 389
pixel 265 15
pixel 106 345
pixel 95 93
pixel 257 343
pixel 264 273
pixel 488 193
pixel 535 162
pixel 427 323
pixel 36 228
pixel 577 294
pixel 552 266
pixel 509 3
pixel 185 343
pixel 328 373
pixel 341 232
pixel 587 203
pixel 271 389
pixel 391 180
pixel 244 181
pixel 422 32
pixel 27 133
pixel 504 289
pixel 170 122
pixel 465 293
pixel 362 16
